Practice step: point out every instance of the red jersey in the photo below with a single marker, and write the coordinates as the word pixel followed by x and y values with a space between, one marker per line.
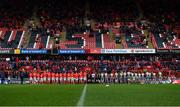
pixel 34 74
pixel 53 75
pixel 75 75
pixel 49 74
pixel 72 74
pixel 57 75
pixel 45 74
pixel 68 75
pixel 37 75
pixel 42 75
pixel 80 75
pixel 30 75
pixel 60 75
pixel 84 74
pixel 64 75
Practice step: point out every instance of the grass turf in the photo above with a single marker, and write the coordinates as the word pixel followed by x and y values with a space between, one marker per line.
pixel 135 95
pixel 96 95
pixel 39 95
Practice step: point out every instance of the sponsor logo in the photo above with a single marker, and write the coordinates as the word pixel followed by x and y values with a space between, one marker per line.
pixel 4 51
pixel 119 51
pixel 17 51
pixel 71 51
pixel 33 51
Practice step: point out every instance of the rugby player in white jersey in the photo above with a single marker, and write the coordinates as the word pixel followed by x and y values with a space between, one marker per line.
pixel 124 77
pixel 102 77
pixel 129 77
pixel 111 77
pixel 116 77
pixel 160 77
pixel 121 77
pixel 106 78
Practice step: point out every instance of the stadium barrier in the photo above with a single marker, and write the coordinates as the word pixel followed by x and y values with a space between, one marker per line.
pixel 89 51
pixel 176 81
pixel 128 51
pixel 66 51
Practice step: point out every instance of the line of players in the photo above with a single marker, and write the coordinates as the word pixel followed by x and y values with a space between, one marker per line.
pixel 59 78
pixel 83 77
pixel 127 77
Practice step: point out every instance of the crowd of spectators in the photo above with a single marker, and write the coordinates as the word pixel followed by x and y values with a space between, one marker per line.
pixel 112 11
pixel 164 20
pixel 76 16
pixel 168 64
pixel 13 14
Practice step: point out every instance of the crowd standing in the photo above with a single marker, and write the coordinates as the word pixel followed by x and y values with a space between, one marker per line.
pixel 92 68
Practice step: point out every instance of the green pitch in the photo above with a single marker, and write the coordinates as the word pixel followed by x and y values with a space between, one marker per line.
pixel 94 95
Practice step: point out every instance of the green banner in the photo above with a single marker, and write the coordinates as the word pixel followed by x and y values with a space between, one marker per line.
pixel 6 51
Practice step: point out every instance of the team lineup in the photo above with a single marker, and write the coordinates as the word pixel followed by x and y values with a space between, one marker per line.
pixel 49 77
pixel 84 77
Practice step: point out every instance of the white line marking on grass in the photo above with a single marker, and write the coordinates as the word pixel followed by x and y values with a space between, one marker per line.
pixel 82 98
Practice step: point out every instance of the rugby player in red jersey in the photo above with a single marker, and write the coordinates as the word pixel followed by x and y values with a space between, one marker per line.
pixel 53 77
pixel 60 78
pixel 80 77
pixel 76 77
pixel 49 77
pixel 34 77
pixel 41 77
pixel 31 77
pixel 37 77
pixel 57 77
pixel 68 77
pixel 64 77
pixel 85 77
pixel 45 77
pixel 72 78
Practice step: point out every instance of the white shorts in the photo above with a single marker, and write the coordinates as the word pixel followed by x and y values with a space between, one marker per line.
pixel 53 79
pixel 49 79
pixel 60 79
pixel 44 78
pixel 41 79
pixel 30 79
pixel 64 79
pixel 57 78
pixel 85 78
pixel 69 79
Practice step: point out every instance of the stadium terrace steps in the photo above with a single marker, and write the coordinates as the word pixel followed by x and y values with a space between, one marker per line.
pixel 32 39
pixel 4 42
pixel 107 42
pixel 130 45
pixel 41 43
pixel 89 42
pixel 23 39
pixel 177 41
pixel 48 43
pixel 98 40
pixel 159 42
pixel 2 33
pixel 165 38
pixel 154 41
pixel 14 35
pixel 11 39
pixel 16 40
pixel 44 40
pixel 73 41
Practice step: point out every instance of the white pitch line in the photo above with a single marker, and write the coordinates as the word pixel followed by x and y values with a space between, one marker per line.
pixel 82 98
